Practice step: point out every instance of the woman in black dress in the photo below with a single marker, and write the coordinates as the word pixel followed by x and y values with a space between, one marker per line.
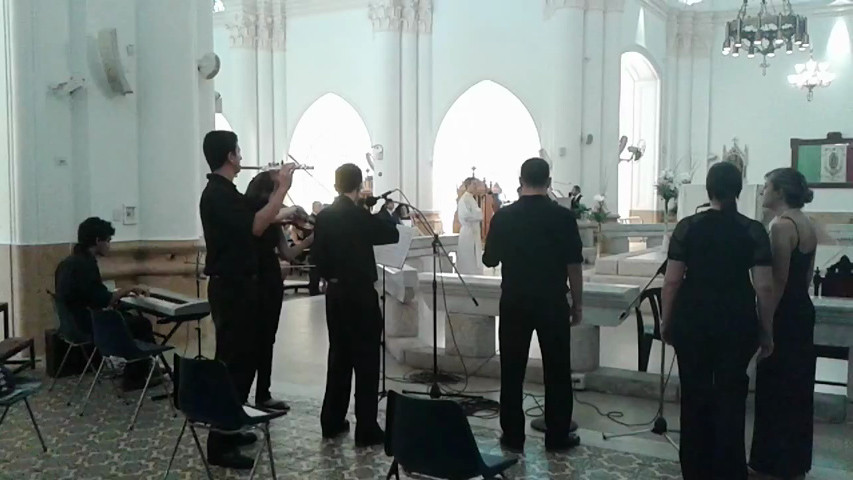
pixel 784 389
pixel 272 246
pixel 710 317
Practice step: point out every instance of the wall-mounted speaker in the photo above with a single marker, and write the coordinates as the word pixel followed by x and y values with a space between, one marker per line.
pixel 111 60
pixel 208 65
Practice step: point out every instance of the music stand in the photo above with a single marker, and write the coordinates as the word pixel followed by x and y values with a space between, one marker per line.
pixel 394 256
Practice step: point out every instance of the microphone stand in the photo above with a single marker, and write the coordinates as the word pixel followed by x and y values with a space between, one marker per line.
pixel 435 389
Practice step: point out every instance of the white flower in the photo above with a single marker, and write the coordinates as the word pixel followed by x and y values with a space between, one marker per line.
pixel 668 176
pixel 598 198
pixel 685 178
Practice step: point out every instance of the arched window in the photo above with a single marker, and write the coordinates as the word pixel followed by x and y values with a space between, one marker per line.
pixel 329 134
pixel 488 128
pixel 639 120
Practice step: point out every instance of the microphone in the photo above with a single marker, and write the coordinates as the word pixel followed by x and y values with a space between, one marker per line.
pixel 704 205
pixel 371 201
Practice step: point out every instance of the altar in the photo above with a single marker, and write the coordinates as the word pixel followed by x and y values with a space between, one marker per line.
pixel 692 196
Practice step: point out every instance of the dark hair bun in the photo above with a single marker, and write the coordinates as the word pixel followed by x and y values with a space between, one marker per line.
pixel 808 196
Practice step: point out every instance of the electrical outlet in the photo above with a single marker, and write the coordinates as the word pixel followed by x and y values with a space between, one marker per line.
pixel 128 215
pixel 579 381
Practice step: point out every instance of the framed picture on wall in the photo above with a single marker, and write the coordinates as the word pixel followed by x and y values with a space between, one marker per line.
pixel 826 163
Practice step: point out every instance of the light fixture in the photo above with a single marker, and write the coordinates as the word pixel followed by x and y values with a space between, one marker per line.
pixel 766 32
pixel 811 75
pixel 218 6
pixel 690 2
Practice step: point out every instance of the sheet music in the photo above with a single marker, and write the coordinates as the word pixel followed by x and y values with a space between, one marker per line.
pixel 394 255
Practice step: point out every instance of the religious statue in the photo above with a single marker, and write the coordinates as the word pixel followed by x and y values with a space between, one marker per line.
pixel 470 249
pixel 736 156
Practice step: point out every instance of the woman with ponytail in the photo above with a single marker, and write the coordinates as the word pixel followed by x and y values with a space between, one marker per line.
pixel 784 394
pixel 718 261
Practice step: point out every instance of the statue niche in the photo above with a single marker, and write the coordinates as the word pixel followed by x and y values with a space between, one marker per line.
pixel 737 156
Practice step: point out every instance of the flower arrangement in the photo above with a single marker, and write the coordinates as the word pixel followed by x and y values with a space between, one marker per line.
pixel 668 186
pixel 599 211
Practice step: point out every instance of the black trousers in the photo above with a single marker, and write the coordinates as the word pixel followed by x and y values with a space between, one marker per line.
pixel 271 295
pixel 714 386
pixel 519 318
pixel 313 281
pixel 355 327
pixel 234 306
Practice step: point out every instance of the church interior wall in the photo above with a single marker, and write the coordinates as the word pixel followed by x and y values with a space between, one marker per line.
pixel 764 112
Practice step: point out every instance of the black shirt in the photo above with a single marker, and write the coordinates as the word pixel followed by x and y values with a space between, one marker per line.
pixel 344 236
pixel 267 248
pixel 79 287
pixel 535 240
pixel 719 249
pixel 227 218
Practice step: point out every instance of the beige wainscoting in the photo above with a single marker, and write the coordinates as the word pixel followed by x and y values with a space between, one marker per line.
pixel 168 265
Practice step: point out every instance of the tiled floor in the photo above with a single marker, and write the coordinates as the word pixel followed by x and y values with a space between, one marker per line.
pixel 96 446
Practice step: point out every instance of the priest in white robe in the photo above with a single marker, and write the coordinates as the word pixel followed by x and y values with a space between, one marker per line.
pixel 470 249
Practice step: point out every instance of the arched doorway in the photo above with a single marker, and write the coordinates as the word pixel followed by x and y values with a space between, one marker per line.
pixel 329 134
pixel 489 128
pixel 639 120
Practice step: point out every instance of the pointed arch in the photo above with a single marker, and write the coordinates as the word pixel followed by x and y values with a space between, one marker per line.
pixel 639 120
pixel 487 127
pixel 328 134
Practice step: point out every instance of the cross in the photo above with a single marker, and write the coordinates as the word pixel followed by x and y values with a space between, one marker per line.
pixel 473 171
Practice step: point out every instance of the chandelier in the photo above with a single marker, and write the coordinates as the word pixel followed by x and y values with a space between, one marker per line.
pixel 811 75
pixel 766 33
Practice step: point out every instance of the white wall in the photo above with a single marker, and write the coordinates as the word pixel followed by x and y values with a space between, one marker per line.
pixel 74 156
pixel 764 112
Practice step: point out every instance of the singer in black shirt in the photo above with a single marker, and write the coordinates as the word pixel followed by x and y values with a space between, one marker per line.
pixel 536 270
pixel 344 236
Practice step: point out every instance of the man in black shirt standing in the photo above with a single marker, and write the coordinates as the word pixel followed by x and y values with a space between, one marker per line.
pixel 230 226
pixel 535 269
pixel 344 236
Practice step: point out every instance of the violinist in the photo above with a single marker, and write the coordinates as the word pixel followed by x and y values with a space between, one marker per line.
pixel 272 247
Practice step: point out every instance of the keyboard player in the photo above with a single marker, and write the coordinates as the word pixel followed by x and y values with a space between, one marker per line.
pixel 79 287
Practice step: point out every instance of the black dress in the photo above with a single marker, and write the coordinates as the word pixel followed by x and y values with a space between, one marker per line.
pixel 784 389
pixel 715 334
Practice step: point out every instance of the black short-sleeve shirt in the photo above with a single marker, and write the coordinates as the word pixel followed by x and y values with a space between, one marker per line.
pixel 535 240
pixel 227 218
pixel 720 248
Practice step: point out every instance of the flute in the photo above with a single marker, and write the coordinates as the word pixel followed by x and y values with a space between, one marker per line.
pixel 275 166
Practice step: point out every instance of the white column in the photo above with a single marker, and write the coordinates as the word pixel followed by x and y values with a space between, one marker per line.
pixel 610 101
pixel 701 92
pixel 684 89
pixel 266 85
pixel 593 76
pixel 385 16
pixel 409 110
pixel 240 92
pixel 168 99
pixel 565 28
pixel 279 72
pixel 426 135
pixel 207 93
pixel 669 96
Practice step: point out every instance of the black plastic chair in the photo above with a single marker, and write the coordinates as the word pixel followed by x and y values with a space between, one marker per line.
pixel 205 394
pixel 113 339
pixel 24 388
pixel 71 334
pixel 433 438
pixel 647 333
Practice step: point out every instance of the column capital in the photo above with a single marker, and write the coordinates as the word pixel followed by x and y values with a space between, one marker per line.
pixel 410 16
pixel 551 6
pixel 271 23
pixel 596 5
pixel 703 36
pixel 684 34
pixel 614 6
pixel 241 21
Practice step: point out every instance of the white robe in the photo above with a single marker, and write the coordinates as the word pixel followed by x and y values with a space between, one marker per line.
pixel 469 253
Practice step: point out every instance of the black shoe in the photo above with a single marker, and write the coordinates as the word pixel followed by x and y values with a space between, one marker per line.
pixel 243 439
pixel 374 436
pixel 564 444
pixel 233 459
pixel 513 445
pixel 272 404
pixel 336 432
